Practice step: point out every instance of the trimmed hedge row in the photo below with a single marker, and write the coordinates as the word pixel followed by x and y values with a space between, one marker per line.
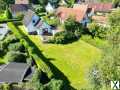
pixel 8 20
pixel 40 63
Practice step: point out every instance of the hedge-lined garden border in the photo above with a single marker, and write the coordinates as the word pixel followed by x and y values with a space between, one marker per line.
pixel 40 63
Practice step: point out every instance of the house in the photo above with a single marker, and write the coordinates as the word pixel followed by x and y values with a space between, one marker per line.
pixel 88 1
pixel 101 7
pixel 3 30
pixel 20 7
pixel 14 72
pixel 100 20
pixel 35 24
pixel 29 21
pixel 21 1
pixel 80 12
pixel 49 8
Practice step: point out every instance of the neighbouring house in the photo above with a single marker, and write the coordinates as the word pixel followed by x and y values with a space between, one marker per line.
pixel 49 8
pixel 80 12
pixel 88 1
pixel 35 24
pixel 3 30
pixel 100 20
pixel 20 7
pixel 15 73
pixel 21 1
pixel 101 7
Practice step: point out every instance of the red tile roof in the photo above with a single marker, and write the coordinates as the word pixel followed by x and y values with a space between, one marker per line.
pixel 102 7
pixel 21 1
pixel 100 19
pixel 79 12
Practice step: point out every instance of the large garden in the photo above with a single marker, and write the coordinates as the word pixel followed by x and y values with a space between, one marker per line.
pixel 76 58
pixel 69 62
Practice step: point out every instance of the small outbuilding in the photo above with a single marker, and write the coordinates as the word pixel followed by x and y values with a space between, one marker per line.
pixel 14 72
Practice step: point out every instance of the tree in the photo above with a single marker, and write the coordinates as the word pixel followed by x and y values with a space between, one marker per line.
pixel 2 6
pixel 116 2
pixel 7 2
pixel 43 2
pixel 70 3
pixel 54 2
pixel 16 47
pixel 8 14
pixel 13 56
pixel 35 81
pixel 97 30
pixel 40 10
pixel 72 32
pixel 54 85
pixel 109 67
pixel 114 18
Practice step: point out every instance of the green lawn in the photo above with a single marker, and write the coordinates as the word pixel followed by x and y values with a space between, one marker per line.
pixel 71 61
pixel 2 61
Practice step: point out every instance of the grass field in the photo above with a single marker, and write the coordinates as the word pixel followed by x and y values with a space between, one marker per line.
pixel 69 62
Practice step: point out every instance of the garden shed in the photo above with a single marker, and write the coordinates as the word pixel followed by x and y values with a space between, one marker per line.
pixel 13 72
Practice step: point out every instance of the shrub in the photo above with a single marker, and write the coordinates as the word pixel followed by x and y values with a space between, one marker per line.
pixel 8 14
pixel 54 85
pixel 16 47
pixel 59 38
pixel 11 39
pixel 52 20
pixel 20 16
pixel 73 31
pixel 13 56
pixel 5 87
pixel 29 61
pixel 3 48
pixel 70 24
pixel 97 42
pixel 97 31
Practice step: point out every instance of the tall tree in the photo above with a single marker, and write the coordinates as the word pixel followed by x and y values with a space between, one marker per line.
pixel 54 2
pixel 43 2
pixel 7 2
pixel 114 18
pixel 70 3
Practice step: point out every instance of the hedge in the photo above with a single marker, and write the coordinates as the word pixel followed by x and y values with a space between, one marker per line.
pixel 40 63
pixel 8 20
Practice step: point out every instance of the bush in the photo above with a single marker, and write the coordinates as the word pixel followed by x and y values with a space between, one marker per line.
pixel 3 48
pixel 52 20
pixel 97 31
pixel 54 85
pixel 11 39
pixel 5 87
pixel 97 42
pixel 73 31
pixel 16 47
pixel 13 56
pixel 20 16
pixel 8 14
pixel 59 38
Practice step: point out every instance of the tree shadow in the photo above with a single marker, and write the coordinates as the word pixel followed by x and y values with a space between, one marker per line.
pixel 57 73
